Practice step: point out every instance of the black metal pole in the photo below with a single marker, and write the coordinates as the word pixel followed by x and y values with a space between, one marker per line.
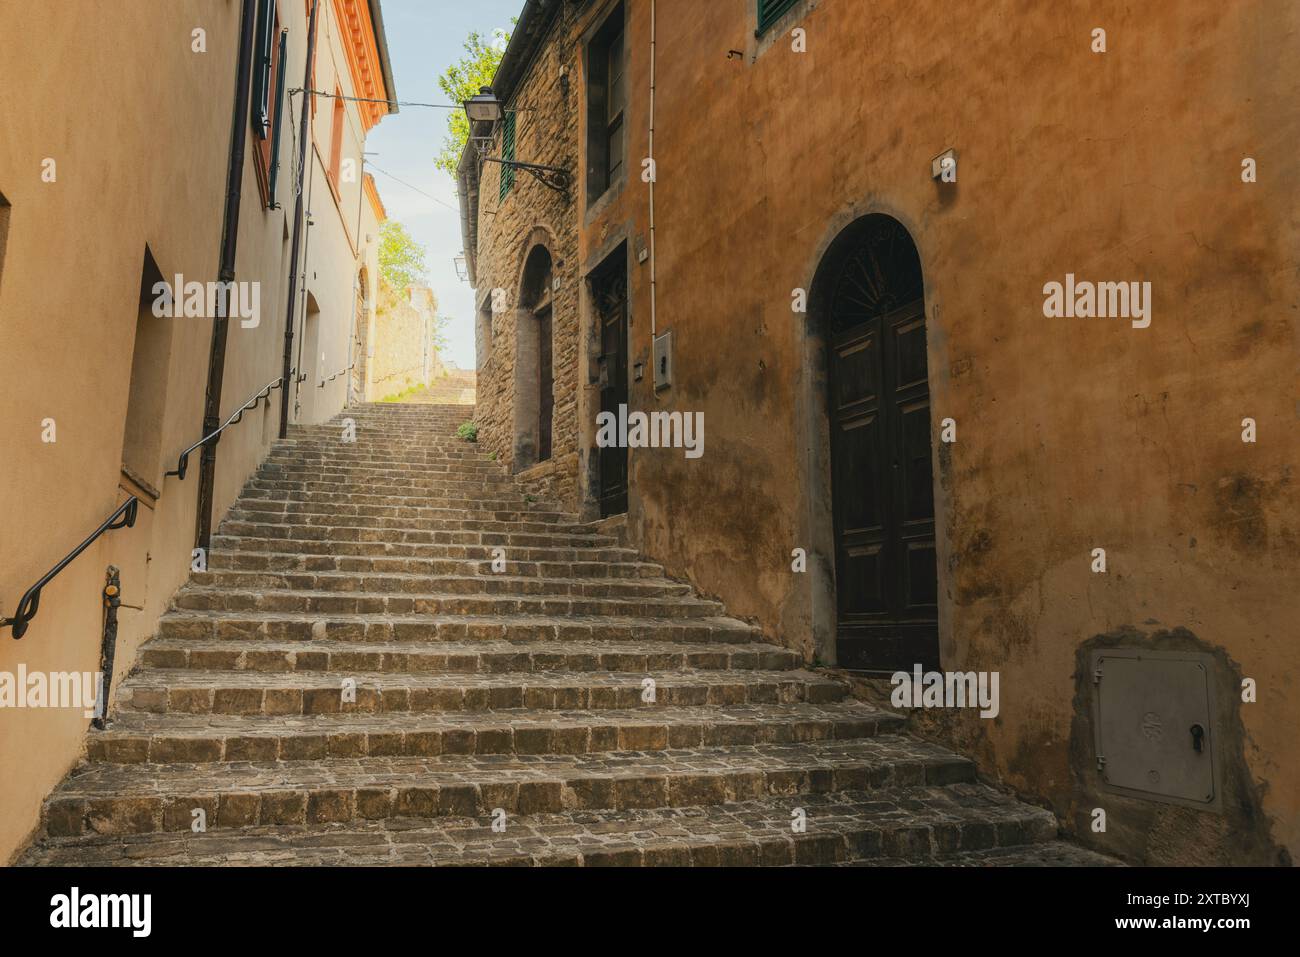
pixel 229 243
pixel 297 220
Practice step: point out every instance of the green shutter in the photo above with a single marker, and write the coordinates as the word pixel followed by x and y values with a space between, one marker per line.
pixel 769 11
pixel 507 153
pixel 262 67
pixel 279 120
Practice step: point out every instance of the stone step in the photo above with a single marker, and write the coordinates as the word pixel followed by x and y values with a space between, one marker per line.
pixel 513 504
pixel 920 825
pixel 433 550
pixel 159 690
pixel 297 562
pixel 401 522
pixel 486 583
pixel 479 657
pixel 138 737
pixel 1050 854
pixel 519 628
pixel 475 512
pixel 138 798
pixel 427 602
pixel 412 536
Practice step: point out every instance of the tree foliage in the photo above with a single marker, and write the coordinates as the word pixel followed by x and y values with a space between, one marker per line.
pixel 401 258
pixel 462 80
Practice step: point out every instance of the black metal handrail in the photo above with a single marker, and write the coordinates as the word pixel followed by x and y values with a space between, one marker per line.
pixel 28 605
pixel 322 382
pixel 183 463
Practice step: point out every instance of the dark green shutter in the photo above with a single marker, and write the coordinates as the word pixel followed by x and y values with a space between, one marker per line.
pixel 279 119
pixel 769 11
pixel 262 68
pixel 507 153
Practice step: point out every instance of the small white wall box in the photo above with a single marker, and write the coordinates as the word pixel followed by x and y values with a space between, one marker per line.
pixel 1153 719
pixel 936 164
pixel 663 360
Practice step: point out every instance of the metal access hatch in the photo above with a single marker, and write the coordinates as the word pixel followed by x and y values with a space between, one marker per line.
pixel 1154 724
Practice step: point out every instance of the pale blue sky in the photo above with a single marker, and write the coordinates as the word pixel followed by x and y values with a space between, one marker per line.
pixel 424 37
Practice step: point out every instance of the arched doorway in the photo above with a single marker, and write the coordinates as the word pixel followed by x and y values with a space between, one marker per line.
pixel 534 365
pixel 869 297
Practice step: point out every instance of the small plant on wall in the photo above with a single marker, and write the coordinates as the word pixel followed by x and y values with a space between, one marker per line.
pixel 467 431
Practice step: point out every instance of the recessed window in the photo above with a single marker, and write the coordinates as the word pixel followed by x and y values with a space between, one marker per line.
pixel 336 138
pixel 606 103
pixel 770 11
pixel 4 231
pixel 268 98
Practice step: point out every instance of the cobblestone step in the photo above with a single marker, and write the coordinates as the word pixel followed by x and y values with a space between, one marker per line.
pixel 518 628
pixel 397 583
pixel 159 690
pixel 923 825
pixel 482 657
pixel 366 549
pixel 138 798
pixel 198 598
pixel 295 562
pixel 136 737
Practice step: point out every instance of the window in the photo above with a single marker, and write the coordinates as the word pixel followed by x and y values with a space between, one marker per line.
pixel 4 230
pixel 151 355
pixel 507 152
pixel 336 139
pixel 276 121
pixel 268 97
pixel 769 11
pixel 606 102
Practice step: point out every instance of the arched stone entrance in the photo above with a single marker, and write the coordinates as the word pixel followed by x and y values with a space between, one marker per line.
pixel 534 404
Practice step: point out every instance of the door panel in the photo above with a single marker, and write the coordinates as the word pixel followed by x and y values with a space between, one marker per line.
pixel 882 478
pixel 546 385
pixel 609 294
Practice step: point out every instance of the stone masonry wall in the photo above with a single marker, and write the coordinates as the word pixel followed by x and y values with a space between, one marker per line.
pixel 546 132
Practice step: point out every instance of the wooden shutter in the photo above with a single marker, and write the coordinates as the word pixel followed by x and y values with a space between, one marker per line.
pixel 264 42
pixel 278 117
pixel 507 153
pixel 769 11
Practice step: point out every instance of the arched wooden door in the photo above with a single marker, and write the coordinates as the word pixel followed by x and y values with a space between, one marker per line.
pixel 886 580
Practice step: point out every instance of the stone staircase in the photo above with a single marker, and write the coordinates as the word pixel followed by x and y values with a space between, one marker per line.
pixel 512 698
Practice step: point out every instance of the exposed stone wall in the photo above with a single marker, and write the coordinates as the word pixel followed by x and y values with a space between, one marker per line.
pixel 402 354
pixel 547 128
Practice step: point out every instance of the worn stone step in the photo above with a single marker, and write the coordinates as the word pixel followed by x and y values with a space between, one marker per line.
pixel 936 826
pixel 246 507
pixel 386 535
pixel 442 550
pixel 480 657
pixel 136 798
pixel 1050 854
pixel 282 626
pixel 404 521
pixel 223 558
pixel 137 737
pixel 488 583
pixel 199 598
pixel 159 690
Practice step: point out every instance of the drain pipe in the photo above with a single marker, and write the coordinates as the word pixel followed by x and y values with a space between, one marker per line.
pixel 297 220
pixel 653 326
pixel 229 243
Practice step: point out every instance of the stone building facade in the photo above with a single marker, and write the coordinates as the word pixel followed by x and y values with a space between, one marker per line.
pixel 523 260
pixel 402 353
pixel 114 167
pixel 914 455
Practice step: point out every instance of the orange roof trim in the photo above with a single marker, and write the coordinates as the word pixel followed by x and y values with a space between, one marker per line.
pixel 358 35
pixel 372 194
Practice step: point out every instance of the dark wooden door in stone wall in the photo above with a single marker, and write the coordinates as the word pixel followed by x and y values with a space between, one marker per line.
pixel 609 293
pixel 546 384
pixel 886 576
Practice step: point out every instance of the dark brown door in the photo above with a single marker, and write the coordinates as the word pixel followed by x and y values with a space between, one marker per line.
pixel 546 400
pixel 886 575
pixel 609 293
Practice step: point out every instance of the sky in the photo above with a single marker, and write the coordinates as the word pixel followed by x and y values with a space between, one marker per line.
pixel 424 38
